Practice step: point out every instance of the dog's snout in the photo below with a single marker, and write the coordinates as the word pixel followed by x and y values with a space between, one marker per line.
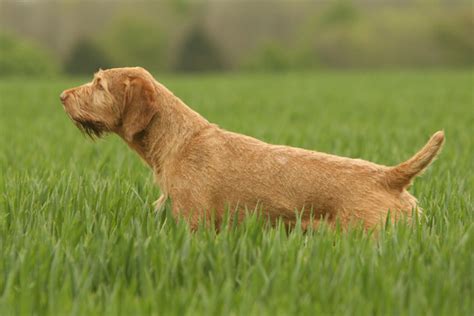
pixel 63 96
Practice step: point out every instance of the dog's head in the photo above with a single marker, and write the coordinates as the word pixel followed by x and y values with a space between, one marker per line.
pixel 120 100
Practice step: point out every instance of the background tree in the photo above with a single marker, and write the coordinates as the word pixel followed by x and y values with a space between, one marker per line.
pixel 85 58
pixel 199 53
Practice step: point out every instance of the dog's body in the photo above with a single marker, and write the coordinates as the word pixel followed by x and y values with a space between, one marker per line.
pixel 205 169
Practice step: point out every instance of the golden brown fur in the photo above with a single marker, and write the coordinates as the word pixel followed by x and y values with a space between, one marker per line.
pixel 203 168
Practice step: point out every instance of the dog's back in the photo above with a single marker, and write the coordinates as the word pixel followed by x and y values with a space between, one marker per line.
pixel 234 171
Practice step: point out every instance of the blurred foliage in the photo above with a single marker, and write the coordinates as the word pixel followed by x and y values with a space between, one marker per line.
pixel 339 12
pixel 271 56
pixel 129 41
pixel 198 53
pixel 21 57
pixel 86 57
pixel 455 34
pixel 344 37
pixel 188 35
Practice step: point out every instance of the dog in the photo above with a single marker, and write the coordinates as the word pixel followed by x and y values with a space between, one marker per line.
pixel 206 170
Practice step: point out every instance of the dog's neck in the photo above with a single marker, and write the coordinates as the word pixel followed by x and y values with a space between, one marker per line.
pixel 169 131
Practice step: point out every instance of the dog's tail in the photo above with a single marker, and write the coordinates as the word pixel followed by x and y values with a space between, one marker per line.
pixel 400 176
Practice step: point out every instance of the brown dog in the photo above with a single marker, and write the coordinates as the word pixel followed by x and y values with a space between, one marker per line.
pixel 205 169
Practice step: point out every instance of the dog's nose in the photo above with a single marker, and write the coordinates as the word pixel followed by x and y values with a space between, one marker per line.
pixel 63 96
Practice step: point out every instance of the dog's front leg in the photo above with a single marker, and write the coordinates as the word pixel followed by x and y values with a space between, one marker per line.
pixel 160 203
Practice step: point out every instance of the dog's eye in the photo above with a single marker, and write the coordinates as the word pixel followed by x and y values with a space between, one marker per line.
pixel 99 85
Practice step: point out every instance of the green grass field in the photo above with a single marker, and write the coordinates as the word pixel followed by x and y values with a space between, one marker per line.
pixel 78 235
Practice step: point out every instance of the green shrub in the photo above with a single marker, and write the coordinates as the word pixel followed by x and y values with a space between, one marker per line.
pixel 271 56
pixel 339 12
pixel 85 58
pixel 199 53
pixel 24 58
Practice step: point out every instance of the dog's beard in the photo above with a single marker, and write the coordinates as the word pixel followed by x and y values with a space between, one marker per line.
pixel 93 129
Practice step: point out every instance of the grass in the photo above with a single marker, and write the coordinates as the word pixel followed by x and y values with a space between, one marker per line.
pixel 78 235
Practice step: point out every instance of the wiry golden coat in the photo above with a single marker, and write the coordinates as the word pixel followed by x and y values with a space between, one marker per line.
pixel 205 169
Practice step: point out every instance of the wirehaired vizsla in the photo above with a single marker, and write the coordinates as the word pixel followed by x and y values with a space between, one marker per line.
pixel 204 169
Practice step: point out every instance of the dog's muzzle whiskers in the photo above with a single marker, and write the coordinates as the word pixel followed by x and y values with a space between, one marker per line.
pixel 92 129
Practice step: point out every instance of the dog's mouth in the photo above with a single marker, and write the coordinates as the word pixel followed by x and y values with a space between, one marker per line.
pixel 93 129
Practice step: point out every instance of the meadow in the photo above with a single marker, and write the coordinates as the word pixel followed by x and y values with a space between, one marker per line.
pixel 78 235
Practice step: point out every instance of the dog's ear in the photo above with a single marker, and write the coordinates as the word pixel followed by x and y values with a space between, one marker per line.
pixel 139 106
